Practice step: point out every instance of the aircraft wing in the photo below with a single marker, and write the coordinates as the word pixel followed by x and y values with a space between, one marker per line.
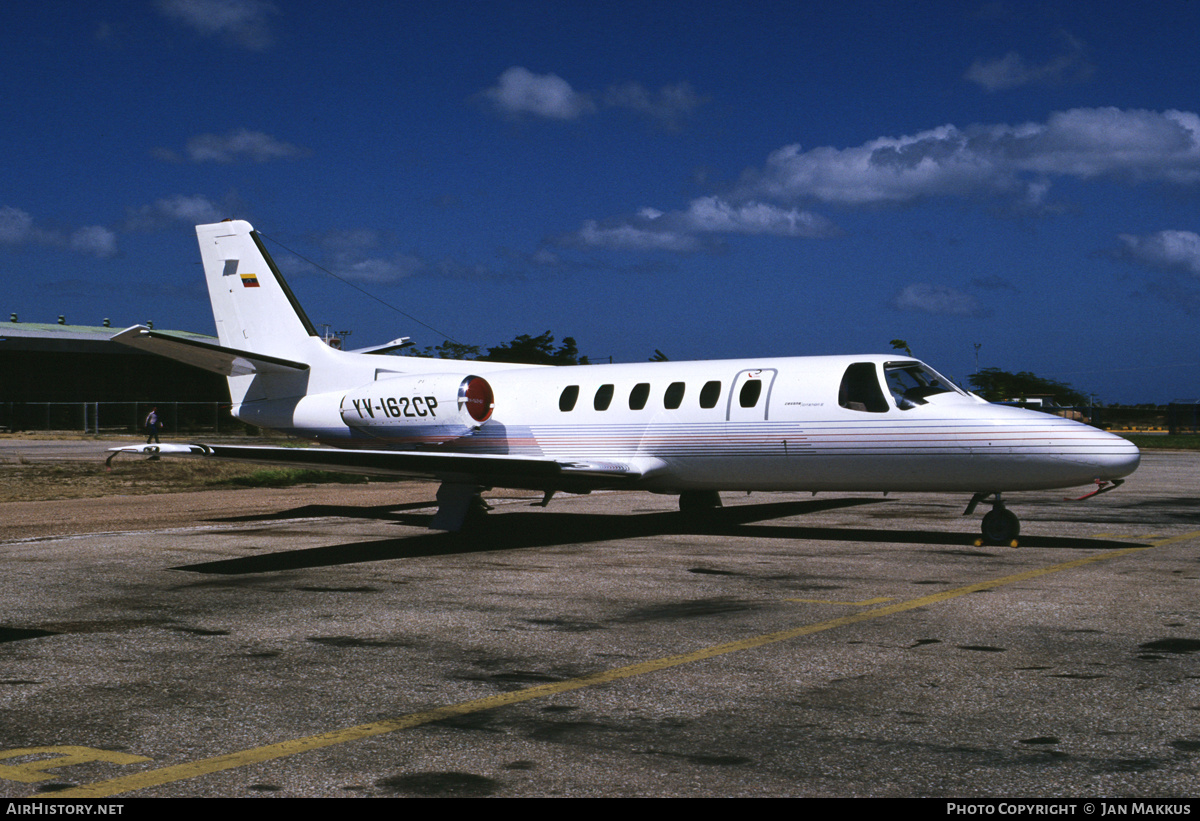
pixel 203 355
pixel 489 470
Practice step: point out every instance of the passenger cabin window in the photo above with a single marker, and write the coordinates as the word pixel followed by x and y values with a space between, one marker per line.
pixel 709 394
pixel 570 395
pixel 639 395
pixel 604 395
pixel 673 398
pixel 860 389
pixel 748 396
pixel 912 383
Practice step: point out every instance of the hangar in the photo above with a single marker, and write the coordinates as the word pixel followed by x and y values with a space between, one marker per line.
pixel 70 377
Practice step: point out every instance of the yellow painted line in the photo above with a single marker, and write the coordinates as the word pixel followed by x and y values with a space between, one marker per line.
pixel 862 603
pixel 31 772
pixel 270 752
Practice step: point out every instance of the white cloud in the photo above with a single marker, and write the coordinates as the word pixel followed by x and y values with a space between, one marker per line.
pixel 449 268
pixel 194 210
pixel 714 215
pixel 1013 70
pixel 17 229
pixel 389 269
pixel 994 283
pixel 241 145
pixel 1012 162
pixel 94 240
pixel 936 299
pixel 16 226
pixel 545 258
pixel 243 22
pixel 521 92
pixel 362 255
pixel 1165 250
pixel 349 241
pixel 380 270
pixel 354 255
pixel 629 236
pixel 669 105
pixel 695 228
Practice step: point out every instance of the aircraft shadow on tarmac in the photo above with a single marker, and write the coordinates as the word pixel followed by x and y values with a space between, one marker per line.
pixel 1161 511
pixel 518 530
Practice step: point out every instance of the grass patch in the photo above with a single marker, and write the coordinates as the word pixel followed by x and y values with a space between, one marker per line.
pixel 1184 441
pixel 289 477
pixel 28 482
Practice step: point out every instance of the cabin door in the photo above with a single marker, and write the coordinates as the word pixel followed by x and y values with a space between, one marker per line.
pixel 750 395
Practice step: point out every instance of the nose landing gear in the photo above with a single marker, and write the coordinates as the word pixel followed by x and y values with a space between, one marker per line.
pixel 1000 525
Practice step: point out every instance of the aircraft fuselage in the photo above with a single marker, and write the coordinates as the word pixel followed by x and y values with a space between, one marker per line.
pixel 825 423
pixel 744 424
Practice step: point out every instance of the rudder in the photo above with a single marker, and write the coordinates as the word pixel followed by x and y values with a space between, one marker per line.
pixel 253 307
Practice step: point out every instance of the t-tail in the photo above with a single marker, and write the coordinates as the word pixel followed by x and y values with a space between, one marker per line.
pixel 253 307
pixel 268 348
pixel 281 373
pixel 256 313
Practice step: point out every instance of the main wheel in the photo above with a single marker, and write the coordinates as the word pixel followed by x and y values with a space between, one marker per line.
pixel 699 501
pixel 1001 526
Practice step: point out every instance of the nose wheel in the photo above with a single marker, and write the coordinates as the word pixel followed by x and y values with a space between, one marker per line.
pixel 1000 525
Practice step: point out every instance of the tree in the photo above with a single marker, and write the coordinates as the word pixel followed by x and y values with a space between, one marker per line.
pixel 447 350
pixel 996 385
pixel 537 350
pixel 524 349
pixel 901 345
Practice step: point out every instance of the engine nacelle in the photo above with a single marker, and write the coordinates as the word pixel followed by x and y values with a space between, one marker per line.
pixel 423 409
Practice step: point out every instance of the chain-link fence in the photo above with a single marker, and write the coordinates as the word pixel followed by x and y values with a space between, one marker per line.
pixel 1183 418
pixel 118 417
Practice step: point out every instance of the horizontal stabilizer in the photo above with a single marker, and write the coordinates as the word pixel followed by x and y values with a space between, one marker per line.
pixel 204 355
pixel 394 345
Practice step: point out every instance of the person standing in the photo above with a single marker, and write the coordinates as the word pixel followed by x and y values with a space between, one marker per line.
pixel 152 426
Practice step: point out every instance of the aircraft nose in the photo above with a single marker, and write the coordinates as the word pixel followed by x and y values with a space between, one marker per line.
pixel 1115 457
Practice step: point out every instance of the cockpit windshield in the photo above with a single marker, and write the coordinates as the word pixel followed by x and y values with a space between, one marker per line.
pixel 912 383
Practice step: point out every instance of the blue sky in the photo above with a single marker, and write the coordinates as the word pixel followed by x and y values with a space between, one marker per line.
pixel 709 179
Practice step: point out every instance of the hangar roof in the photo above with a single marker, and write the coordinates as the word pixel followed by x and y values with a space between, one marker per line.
pixel 84 333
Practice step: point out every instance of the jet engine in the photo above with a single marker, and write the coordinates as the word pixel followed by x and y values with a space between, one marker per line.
pixel 421 409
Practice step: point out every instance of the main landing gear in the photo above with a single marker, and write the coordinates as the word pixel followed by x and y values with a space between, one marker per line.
pixel 458 506
pixel 699 501
pixel 1000 525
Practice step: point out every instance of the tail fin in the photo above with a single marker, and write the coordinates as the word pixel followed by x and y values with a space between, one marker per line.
pixel 257 313
pixel 253 307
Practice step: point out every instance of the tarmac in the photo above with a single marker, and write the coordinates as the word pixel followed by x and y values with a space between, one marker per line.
pixel 319 641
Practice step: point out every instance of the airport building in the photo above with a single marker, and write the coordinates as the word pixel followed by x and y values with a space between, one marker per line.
pixel 71 377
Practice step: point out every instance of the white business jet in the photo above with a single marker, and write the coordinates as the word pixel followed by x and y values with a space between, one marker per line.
pixel 821 423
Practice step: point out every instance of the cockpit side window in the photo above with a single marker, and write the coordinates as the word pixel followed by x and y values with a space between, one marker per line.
pixel 912 383
pixel 860 389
